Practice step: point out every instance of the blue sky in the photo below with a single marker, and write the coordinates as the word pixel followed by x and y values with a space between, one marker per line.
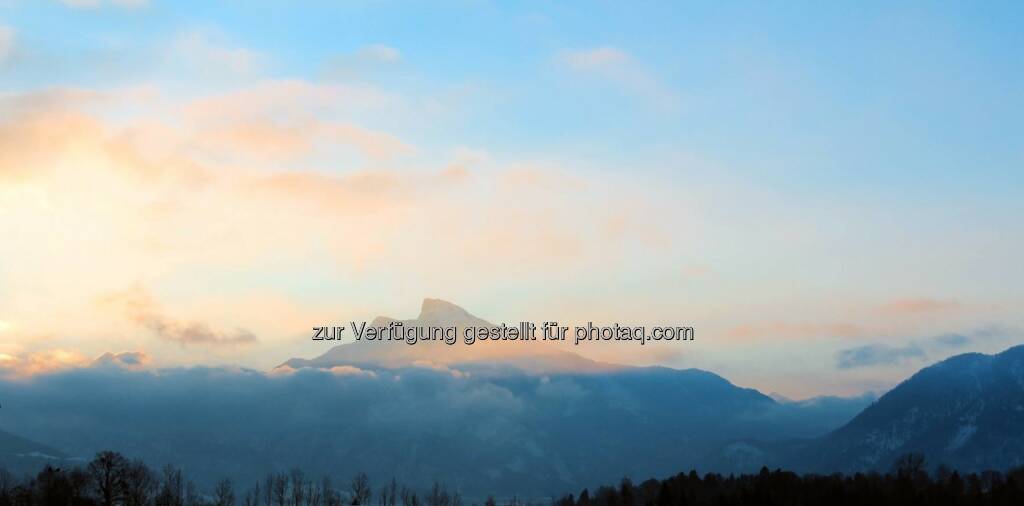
pixel 790 167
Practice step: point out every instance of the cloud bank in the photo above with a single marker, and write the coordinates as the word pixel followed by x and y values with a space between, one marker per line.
pixel 498 432
pixel 879 354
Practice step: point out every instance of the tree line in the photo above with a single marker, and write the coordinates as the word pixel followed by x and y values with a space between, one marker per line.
pixel 110 479
pixel 909 483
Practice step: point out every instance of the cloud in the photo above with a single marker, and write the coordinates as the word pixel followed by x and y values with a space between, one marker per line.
pixel 140 307
pixel 347 370
pixel 379 53
pixel 443 368
pixel 877 354
pixel 794 330
pixel 255 137
pixel 173 415
pixel 917 349
pixel 206 52
pixel 951 340
pixel 363 62
pixel 619 67
pixel 340 370
pixel 285 98
pixel 174 191
pixel 595 58
pixel 286 120
pixel 6 43
pixel 320 419
pixel 36 103
pixel 20 366
pixel 998 331
pixel 25 365
pixel 920 306
pixel 95 4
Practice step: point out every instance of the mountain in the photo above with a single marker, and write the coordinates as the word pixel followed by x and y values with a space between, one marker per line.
pixel 575 422
pixel 19 447
pixel 18 454
pixel 966 412
pixel 535 357
pixel 579 421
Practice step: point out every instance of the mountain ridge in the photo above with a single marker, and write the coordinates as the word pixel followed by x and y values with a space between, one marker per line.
pixel 539 416
pixel 23 455
pixel 966 412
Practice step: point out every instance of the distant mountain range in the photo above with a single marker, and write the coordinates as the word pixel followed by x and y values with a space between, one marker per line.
pixel 577 421
pixel 966 412
pixel 514 418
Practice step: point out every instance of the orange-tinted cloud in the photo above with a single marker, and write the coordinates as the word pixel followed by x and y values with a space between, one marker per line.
pixel 19 366
pixel 284 99
pixel 140 307
pixel 205 53
pixel 617 66
pixel 793 330
pixel 28 364
pixel 150 199
pixel 920 305
pixel 6 43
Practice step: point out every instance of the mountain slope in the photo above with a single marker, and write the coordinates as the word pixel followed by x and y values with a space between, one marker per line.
pixel 966 412
pixel 20 455
pixel 15 446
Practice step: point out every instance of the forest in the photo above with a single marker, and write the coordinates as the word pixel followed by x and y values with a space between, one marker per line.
pixel 111 479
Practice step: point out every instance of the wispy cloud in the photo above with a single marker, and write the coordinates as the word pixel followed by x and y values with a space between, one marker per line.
pixel 998 331
pixel 884 354
pixel 379 53
pixel 6 43
pixel 363 62
pixel 140 307
pixel 920 305
pixel 24 365
pixel 877 354
pixel 794 330
pixel 96 4
pixel 951 340
pixel 620 68
pixel 208 52
pixel 174 202
pixel 596 59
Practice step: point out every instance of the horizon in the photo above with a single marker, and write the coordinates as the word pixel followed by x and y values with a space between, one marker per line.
pixel 135 362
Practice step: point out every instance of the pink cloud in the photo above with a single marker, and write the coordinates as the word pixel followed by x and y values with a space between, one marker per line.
pixel 793 330
pixel 920 305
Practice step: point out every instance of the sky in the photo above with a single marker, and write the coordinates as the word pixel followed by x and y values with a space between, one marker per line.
pixel 831 195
